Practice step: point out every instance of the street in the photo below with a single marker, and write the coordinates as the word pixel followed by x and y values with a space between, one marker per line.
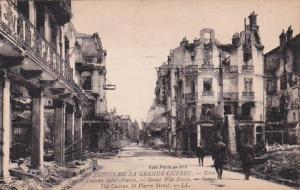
pixel 132 170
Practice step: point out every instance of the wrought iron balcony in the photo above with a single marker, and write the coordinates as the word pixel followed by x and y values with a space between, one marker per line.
pixel 248 93
pixel 191 97
pixel 15 27
pixel 247 67
pixel 208 93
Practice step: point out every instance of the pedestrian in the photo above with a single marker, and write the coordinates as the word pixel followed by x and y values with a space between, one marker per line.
pixel 200 153
pixel 247 158
pixel 219 156
pixel 137 142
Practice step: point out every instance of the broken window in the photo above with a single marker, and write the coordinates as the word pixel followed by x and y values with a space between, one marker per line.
pixel 248 84
pixel 247 48
pixel 207 84
pixel 86 81
pixel 246 108
pixel 283 84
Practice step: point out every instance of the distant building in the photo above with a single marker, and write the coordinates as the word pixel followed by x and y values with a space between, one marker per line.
pixel 204 81
pixel 282 70
pixel 91 76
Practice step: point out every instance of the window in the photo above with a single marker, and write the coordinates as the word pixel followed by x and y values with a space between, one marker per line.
pixel 207 84
pixel 248 84
pixel 86 81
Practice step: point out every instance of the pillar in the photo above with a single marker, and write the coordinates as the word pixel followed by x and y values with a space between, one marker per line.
pixel 198 135
pixel 78 133
pixel 59 131
pixel 254 135
pixel 37 118
pixel 70 117
pixel 5 128
pixel 231 143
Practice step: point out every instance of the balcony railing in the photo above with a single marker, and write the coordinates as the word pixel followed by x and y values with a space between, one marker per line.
pixel 208 93
pixel 211 117
pixel 191 97
pixel 207 66
pixel 191 69
pixel 244 117
pixel 247 67
pixel 231 69
pixel 230 95
pixel 248 93
pixel 22 32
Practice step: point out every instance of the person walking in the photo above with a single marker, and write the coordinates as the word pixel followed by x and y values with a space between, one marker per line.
pixel 219 156
pixel 247 158
pixel 200 153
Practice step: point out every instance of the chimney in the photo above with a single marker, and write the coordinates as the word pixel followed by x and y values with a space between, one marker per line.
pixel 289 34
pixel 282 39
pixel 253 21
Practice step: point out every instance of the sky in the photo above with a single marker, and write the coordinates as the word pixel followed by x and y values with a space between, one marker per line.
pixel 139 34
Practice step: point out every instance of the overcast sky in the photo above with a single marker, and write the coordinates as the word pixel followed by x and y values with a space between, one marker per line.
pixel 138 36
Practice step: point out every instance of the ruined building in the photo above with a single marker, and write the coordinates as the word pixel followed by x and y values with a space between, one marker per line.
pixel 215 89
pixel 282 71
pixel 41 105
pixel 91 72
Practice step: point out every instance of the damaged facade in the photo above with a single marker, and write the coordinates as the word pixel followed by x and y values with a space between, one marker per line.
pixel 214 89
pixel 282 70
pixel 91 72
pixel 52 78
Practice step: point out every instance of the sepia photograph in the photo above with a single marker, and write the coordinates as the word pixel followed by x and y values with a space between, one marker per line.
pixel 149 94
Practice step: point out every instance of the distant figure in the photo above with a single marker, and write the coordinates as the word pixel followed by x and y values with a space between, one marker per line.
pixel 137 142
pixel 219 156
pixel 200 153
pixel 247 157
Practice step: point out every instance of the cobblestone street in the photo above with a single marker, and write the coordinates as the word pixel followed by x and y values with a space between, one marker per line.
pixel 138 160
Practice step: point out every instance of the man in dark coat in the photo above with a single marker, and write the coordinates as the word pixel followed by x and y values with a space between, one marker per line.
pixel 219 156
pixel 247 157
pixel 200 153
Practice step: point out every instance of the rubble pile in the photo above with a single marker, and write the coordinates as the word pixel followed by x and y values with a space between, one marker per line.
pixel 52 174
pixel 103 155
pixel 283 162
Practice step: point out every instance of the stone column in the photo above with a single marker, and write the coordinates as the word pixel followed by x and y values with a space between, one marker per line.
pixel 254 135
pixel 231 134
pixel 198 135
pixel 37 118
pixel 5 128
pixel 78 131
pixel 70 117
pixel 59 131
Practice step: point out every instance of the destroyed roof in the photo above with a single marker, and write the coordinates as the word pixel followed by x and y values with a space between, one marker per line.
pixel 91 44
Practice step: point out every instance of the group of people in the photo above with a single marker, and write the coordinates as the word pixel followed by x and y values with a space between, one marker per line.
pixel 219 156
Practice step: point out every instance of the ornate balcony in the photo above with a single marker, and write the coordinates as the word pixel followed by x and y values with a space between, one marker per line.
pixel 248 93
pixel 247 67
pixel 191 97
pixel 23 33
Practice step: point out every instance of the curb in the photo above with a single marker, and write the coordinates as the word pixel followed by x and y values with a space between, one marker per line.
pixel 281 181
